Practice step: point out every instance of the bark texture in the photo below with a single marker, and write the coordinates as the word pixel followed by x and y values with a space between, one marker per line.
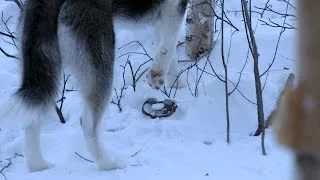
pixel 199 27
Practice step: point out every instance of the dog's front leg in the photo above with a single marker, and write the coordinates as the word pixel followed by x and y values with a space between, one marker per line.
pixel 168 26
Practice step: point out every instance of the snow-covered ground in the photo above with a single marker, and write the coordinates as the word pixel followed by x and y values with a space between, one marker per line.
pixel 191 144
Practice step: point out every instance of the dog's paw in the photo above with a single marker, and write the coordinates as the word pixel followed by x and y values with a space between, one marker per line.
pixel 107 164
pixel 156 78
pixel 34 166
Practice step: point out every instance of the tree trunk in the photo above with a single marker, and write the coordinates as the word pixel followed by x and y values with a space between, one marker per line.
pixel 199 29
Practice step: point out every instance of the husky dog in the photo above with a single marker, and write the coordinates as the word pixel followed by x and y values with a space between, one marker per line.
pixel 80 34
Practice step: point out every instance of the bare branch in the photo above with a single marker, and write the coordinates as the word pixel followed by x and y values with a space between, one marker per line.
pixel 59 110
pixel 18 3
pixel 8 34
pixel 278 42
pixel 9 163
pixel 120 95
pixel 7 54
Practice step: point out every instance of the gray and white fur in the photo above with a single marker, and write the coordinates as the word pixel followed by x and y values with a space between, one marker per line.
pixel 80 34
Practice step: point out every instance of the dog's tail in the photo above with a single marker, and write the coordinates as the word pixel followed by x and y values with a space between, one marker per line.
pixel 41 63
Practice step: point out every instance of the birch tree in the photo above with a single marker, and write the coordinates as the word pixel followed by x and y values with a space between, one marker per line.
pixel 199 27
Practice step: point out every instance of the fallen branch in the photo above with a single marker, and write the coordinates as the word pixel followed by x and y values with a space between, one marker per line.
pixel 83 157
pixel 285 90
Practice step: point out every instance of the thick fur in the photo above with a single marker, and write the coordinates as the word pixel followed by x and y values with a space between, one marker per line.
pixel 80 35
pixel 39 50
pixel 86 41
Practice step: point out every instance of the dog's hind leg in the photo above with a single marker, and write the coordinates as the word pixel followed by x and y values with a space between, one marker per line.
pixel 170 20
pixel 90 123
pixel 87 43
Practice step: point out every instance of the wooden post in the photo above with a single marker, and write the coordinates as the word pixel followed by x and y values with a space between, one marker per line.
pixel 298 119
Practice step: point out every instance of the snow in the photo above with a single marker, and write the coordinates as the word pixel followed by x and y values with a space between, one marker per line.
pixel 190 144
pixel 157 107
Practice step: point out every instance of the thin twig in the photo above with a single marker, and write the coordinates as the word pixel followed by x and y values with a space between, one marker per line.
pixel 120 95
pixel 83 157
pixel 7 166
pixel 277 46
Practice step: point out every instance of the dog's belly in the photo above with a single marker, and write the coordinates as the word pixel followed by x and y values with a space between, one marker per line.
pixel 133 10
